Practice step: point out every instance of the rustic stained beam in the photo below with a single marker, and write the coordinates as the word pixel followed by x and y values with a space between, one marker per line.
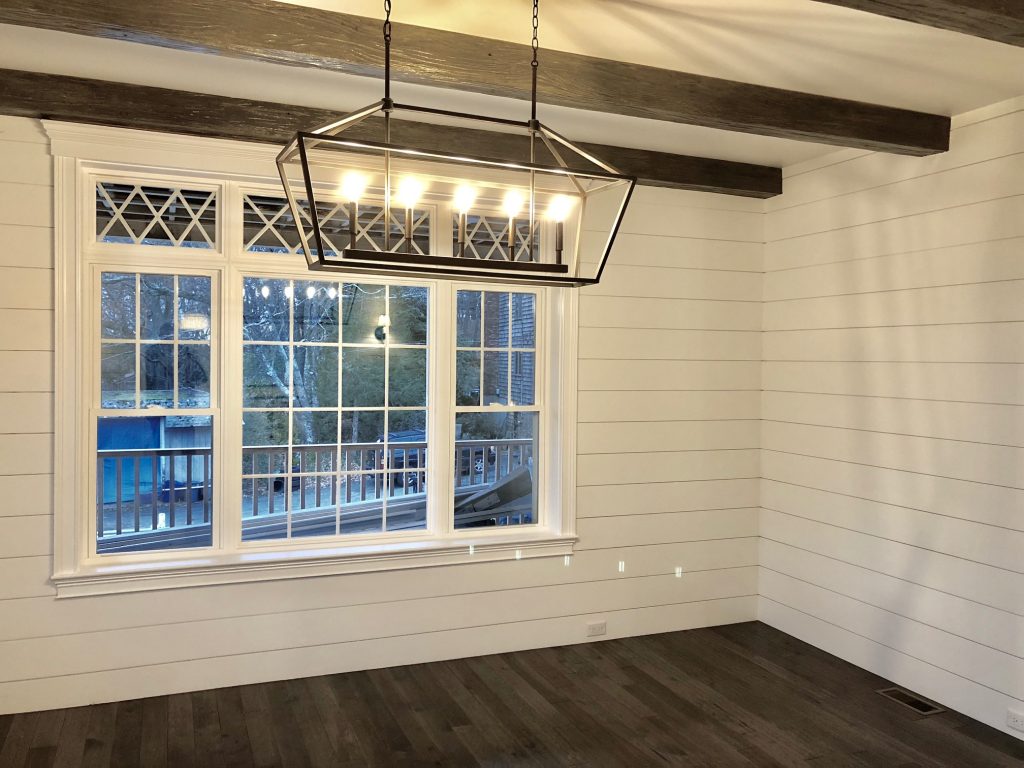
pixel 283 33
pixel 58 97
pixel 999 20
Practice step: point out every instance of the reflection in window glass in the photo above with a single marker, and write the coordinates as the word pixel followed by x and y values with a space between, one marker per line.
pixel 334 391
pixel 495 457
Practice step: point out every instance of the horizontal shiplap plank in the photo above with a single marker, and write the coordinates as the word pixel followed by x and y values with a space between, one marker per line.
pixel 974 462
pixel 26 412
pixel 76 653
pixel 965 382
pixel 685 198
pixel 26 329
pixel 22 577
pixel 26 288
pixel 973 621
pixel 26 454
pixel 639 530
pixel 991 668
pixel 650 498
pixel 27 536
pixel 45 616
pixel 975 263
pixel 201 673
pixel 976 223
pixel 636 249
pixel 904 669
pixel 660 282
pixel 26 495
pixel 679 375
pixel 26 371
pixel 21 129
pixel 979 422
pixel 965 539
pixel 994 342
pixel 634 312
pixel 990 504
pixel 654 219
pixel 667 406
pixel 980 303
pixel 28 164
pixel 644 344
pixel 948 189
pixel 28 204
pixel 970 580
pixel 640 437
pixel 612 469
pixel 26 247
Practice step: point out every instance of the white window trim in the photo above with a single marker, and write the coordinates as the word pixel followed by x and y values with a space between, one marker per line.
pixel 82 150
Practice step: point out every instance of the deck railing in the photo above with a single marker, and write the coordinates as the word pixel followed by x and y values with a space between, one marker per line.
pixel 153 490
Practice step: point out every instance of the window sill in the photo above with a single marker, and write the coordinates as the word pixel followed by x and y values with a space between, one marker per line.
pixel 201 571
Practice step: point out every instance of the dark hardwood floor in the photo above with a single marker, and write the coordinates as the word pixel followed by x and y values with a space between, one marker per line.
pixel 742 695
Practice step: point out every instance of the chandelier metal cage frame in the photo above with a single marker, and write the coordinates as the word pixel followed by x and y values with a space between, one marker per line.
pixel 311 151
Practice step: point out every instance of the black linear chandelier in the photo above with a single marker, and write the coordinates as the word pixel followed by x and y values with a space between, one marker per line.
pixel 368 206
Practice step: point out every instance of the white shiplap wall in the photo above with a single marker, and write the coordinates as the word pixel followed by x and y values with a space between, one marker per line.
pixel 893 465
pixel 668 472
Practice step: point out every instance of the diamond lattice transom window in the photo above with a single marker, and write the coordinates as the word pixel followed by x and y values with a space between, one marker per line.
pixel 269 226
pixel 138 214
pixel 487 238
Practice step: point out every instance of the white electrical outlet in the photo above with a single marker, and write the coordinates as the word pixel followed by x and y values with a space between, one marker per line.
pixel 597 628
pixel 1015 719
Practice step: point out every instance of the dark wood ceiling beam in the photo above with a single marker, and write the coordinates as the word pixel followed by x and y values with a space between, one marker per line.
pixel 277 32
pixel 999 20
pixel 57 97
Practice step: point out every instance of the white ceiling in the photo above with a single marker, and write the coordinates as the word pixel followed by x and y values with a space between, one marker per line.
pixel 796 44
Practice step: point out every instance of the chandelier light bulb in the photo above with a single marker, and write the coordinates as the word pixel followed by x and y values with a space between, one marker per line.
pixel 513 203
pixel 353 185
pixel 332 293
pixel 265 292
pixel 288 291
pixel 464 198
pixel 310 292
pixel 409 191
pixel 560 207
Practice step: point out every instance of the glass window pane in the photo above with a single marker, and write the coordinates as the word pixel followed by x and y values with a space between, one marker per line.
pixel 407 382
pixel 193 307
pixel 523 378
pixel 362 502
pixel 496 319
pixel 156 306
pixel 117 306
pixel 117 376
pixel 314 428
pixel 361 310
pixel 467 319
pixel 495 378
pixel 315 377
pixel 407 311
pixel 524 322
pixel 154 483
pixel 407 427
pixel 362 427
pixel 495 455
pixel 265 376
pixel 407 500
pixel 156 375
pixel 264 428
pixel 194 376
pixel 316 311
pixel 362 382
pixel 467 378
pixel 265 307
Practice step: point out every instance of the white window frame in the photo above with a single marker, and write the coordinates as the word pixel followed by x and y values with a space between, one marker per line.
pixel 84 153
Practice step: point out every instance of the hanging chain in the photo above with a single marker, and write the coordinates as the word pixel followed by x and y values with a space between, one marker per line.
pixel 387 50
pixel 535 44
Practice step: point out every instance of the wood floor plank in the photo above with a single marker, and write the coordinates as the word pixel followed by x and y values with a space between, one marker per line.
pixel 738 696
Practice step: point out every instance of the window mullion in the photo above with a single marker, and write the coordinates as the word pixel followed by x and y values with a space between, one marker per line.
pixel 441 410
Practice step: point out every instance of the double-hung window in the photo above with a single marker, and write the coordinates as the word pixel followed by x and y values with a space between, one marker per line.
pixel 228 415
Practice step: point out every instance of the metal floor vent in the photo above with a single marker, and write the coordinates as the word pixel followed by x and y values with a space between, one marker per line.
pixel 911 701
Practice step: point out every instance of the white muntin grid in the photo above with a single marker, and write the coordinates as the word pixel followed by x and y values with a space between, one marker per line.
pixel 339 295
